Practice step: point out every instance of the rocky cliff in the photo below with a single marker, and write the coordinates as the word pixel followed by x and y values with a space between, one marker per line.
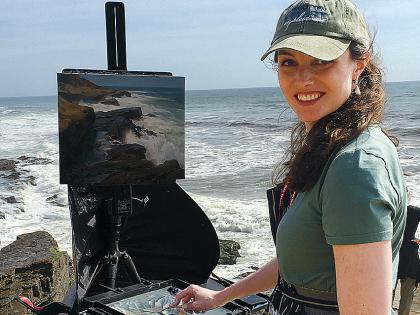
pixel 34 267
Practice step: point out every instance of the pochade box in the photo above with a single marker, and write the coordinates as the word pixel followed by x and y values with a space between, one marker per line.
pixel 156 298
pixel 120 128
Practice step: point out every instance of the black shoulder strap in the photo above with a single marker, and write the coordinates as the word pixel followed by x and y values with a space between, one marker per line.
pixel 279 199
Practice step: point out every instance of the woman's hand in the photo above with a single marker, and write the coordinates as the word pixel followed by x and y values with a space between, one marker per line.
pixel 198 299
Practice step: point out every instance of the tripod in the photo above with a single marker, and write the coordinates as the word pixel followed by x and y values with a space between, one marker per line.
pixel 118 209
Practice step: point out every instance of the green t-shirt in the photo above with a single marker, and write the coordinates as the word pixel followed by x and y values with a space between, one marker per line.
pixel 359 198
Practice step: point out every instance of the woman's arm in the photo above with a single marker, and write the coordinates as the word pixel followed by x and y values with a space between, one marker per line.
pixel 364 276
pixel 196 298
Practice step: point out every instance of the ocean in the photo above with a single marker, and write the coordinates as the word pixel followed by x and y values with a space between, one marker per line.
pixel 234 138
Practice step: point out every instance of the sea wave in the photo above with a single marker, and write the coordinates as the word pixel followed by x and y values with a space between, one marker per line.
pixel 234 124
pixel 9 111
pixel 405 131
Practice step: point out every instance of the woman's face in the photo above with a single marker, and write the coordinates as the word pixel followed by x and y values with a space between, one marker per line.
pixel 315 88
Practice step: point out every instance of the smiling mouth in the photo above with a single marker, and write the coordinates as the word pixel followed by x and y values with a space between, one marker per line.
pixel 309 97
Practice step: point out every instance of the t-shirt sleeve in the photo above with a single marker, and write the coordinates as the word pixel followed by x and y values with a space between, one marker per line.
pixel 357 199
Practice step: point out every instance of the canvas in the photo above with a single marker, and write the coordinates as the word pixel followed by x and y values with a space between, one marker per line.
pixel 121 129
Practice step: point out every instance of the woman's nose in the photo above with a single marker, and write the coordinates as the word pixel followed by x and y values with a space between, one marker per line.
pixel 304 76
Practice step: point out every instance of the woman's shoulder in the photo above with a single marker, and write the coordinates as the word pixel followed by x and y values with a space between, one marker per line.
pixel 370 160
pixel 372 141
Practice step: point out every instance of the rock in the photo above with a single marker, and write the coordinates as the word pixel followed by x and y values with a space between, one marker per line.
pixel 117 123
pixel 76 134
pixel 55 200
pixel 245 274
pixel 229 252
pixel 150 132
pixel 33 267
pixel 2 215
pixel 126 152
pixel 121 94
pixel 168 171
pixel 30 160
pixel 14 175
pixel 11 199
pixel 110 101
pixel 73 88
pixel 7 165
pixel 31 180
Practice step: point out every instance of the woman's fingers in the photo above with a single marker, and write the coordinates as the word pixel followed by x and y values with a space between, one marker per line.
pixel 193 307
pixel 185 295
pixel 197 299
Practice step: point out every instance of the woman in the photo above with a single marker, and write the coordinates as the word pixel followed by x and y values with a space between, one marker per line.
pixel 340 237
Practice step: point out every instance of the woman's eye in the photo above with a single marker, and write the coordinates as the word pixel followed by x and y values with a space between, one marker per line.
pixel 287 62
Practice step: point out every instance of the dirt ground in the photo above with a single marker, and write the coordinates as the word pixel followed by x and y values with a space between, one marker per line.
pixel 415 308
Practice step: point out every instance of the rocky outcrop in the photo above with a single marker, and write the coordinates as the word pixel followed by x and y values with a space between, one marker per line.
pixel 74 89
pixel 229 252
pixel 12 170
pixel 110 161
pixel 76 133
pixel 7 165
pixel 128 169
pixel 10 199
pixel 30 160
pixel 117 123
pixel 33 267
pixel 127 152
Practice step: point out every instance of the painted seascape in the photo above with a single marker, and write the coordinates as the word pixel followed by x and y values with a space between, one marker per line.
pixel 117 129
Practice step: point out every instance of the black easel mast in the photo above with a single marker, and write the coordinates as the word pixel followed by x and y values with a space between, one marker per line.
pixel 115 36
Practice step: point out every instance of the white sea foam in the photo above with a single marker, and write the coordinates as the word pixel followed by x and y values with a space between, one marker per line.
pixel 234 214
pixel 239 153
pixel 158 147
pixel 246 222
pixel 38 213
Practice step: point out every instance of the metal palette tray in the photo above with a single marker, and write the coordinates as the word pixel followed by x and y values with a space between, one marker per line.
pixel 152 299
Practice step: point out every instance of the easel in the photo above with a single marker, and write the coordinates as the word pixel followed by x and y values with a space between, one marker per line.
pixel 119 206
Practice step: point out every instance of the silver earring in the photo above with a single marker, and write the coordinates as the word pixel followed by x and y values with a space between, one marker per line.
pixel 356 89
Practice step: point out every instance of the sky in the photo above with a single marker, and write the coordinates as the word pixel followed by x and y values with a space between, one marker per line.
pixel 215 44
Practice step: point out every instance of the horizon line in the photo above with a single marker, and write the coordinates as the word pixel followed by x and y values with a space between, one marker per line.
pixel 214 89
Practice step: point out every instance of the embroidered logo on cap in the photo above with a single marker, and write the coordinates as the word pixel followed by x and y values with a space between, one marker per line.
pixel 306 13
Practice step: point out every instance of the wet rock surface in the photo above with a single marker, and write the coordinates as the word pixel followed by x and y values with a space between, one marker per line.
pixel 30 160
pixel 13 170
pixel 10 199
pixel 7 165
pixel 229 252
pixel 118 122
pixel 34 267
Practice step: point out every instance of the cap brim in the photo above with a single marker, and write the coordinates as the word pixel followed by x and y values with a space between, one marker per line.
pixel 320 47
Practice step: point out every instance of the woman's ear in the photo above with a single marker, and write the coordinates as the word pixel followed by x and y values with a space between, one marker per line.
pixel 360 65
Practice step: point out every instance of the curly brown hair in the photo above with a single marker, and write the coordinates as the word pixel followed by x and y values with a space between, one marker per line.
pixel 304 161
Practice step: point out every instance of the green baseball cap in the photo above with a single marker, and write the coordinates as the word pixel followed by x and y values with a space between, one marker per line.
pixel 322 29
